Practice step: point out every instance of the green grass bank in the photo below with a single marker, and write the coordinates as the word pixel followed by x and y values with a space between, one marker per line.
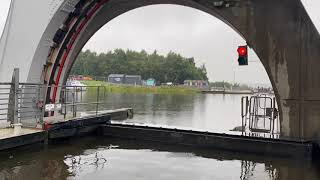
pixel 140 89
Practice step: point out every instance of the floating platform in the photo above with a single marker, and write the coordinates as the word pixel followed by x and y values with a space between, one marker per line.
pixel 10 139
pixel 102 125
pixel 256 145
pixel 77 127
pixel 56 129
pixel 116 114
pixel 86 124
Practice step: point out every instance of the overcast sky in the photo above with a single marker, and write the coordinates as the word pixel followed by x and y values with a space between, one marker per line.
pixel 184 30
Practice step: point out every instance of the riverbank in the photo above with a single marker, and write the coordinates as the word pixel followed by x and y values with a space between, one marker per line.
pixel 142 89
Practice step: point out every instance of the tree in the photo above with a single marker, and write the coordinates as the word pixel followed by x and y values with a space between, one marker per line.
pixel 170 68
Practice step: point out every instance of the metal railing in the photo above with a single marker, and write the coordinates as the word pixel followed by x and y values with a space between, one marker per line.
pixel 259 114
pixel 72 97
pixel 25 102
pixel 4 101
pixel 30 99
pixel 31 110
pixel 18 103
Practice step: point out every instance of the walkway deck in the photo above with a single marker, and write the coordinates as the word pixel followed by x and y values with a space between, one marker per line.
pixel 116 114
pixel 58 127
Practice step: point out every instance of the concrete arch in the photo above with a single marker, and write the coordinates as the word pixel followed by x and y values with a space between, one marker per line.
pixel 280 32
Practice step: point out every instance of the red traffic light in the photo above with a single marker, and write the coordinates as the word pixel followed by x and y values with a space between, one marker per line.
pixel 242 50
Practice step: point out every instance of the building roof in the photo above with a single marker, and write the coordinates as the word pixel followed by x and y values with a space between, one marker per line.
pixel 195 81
pixel 116 75
pixel 133 76
pixel 123 75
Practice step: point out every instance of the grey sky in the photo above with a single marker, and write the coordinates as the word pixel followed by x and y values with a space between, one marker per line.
pixel 183 30
pixel 4 6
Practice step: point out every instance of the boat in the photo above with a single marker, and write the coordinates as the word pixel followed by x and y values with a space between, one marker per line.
pixel 77 85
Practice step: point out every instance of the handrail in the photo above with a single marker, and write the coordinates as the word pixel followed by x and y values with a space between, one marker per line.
pixel 29 100
pixel 6 83
pixel 260 109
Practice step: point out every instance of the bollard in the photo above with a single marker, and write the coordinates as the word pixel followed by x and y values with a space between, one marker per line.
pixel 17 128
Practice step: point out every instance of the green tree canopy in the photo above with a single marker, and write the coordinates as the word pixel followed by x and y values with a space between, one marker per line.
pixel 170 68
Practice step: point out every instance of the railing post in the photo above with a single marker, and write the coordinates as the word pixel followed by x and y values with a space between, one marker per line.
pixel 98 98
pixel 242 116
pixel 41 105
pixel 73 103
pixel 65 103
pixel 13 98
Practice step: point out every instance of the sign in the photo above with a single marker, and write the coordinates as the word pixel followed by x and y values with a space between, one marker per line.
pixel 52 107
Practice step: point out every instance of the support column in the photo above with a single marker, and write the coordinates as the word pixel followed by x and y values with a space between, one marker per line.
pixel 13 98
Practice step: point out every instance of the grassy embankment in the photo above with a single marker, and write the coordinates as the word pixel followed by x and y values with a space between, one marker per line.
pixel 141 89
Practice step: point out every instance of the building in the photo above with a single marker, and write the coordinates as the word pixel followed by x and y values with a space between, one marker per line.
pixel 196 83
pixel 132 79
pixel 150 82
pixel 79 78
pixel 124 79
pixel 116 78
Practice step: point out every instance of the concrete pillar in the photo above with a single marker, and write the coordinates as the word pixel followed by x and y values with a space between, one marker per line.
pixel 13 98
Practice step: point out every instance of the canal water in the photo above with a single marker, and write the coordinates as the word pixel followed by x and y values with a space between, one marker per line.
pixel 210 112
pixel 110 158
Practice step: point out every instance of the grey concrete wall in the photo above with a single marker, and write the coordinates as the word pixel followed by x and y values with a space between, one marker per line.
pixel 26 23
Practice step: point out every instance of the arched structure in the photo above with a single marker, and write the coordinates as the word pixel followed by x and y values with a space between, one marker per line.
pixel 280 31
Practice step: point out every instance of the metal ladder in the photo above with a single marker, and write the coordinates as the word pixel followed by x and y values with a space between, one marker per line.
pixel 259 114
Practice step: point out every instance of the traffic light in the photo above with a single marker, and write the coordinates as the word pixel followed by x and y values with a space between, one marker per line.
pixel 243 55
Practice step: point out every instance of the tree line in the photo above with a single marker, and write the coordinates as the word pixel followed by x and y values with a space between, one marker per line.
pixel 172 67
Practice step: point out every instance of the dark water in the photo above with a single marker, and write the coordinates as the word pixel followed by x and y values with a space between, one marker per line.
pixel 105 158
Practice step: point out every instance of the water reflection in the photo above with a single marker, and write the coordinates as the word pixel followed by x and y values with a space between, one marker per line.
pixel 105 158
pixel 218 113
pixel 77 163
pixel 101 158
